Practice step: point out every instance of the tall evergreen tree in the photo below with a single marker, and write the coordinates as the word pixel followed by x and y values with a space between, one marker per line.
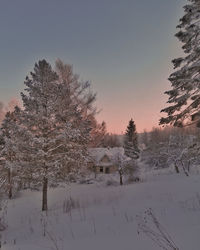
pixel 131 141
pixel 184 97
pixel 58 133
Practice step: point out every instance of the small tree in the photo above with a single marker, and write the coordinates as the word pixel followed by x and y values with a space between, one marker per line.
pixel 121 161
pixel 131 141
pixel 126 166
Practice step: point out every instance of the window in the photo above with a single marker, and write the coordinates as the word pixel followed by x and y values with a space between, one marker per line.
pixel 101 170
pixel 107 170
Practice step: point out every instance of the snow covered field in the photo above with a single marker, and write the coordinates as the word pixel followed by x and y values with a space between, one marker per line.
pixel 106 217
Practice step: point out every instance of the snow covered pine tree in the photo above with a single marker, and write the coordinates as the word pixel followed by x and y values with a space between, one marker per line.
pixel 130 141
pixel 52 118
pixel 184 97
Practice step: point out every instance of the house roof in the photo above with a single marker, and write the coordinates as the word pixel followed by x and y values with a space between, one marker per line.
pixel 98 153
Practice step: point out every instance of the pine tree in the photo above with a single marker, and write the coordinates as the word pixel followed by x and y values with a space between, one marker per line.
pixel 184 97
pixel 58 133
pixel 131 141
pixel 10 139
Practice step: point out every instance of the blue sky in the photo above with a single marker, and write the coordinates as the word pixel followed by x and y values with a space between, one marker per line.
pixel 124 47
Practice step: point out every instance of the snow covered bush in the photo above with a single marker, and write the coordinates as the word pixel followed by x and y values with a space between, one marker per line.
pixel 69 204
pixel 172 147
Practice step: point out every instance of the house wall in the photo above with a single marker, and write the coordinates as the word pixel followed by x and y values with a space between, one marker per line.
pixel 112 169
pixel 105 159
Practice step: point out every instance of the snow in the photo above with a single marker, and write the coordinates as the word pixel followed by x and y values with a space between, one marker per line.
pixel 105 217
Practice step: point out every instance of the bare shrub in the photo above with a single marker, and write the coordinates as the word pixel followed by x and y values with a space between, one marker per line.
pixel 69 204
pixel 150 225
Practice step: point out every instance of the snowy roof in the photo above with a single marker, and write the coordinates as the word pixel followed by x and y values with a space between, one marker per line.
pixel 98 153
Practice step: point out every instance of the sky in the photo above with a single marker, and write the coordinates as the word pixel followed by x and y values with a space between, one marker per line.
pixel 124 47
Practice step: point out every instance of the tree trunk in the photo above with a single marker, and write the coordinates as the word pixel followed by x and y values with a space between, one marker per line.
pixel 176 168
pixel 188 167
pixel 95 172
pixel 121 181
pixel 184 170
pixel 9 184
pixel 44 194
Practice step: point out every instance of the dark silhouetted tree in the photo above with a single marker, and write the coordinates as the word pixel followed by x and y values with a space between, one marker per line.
pixel 131 141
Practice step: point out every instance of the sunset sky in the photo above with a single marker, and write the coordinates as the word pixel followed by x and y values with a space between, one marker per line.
pixel 124 47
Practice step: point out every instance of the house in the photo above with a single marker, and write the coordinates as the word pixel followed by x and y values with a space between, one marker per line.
pixel 102 160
